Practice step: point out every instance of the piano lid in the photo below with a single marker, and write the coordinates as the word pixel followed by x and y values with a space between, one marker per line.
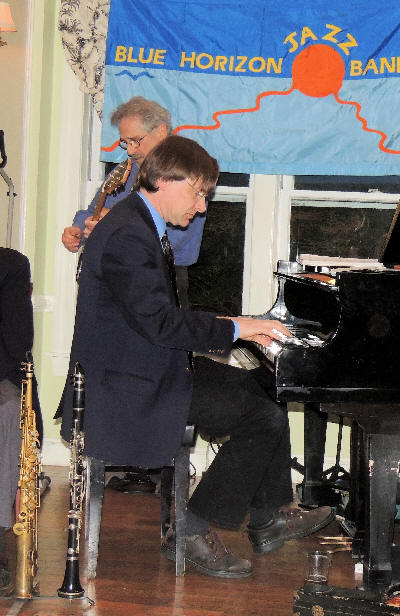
pixel 390 254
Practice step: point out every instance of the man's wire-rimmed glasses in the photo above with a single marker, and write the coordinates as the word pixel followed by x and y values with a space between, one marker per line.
pixel 200 195
pixel 131 141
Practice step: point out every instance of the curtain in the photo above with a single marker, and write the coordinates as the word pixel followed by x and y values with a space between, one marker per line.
pixel 83 26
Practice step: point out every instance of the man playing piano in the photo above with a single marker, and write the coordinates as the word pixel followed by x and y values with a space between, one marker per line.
pixel 133 342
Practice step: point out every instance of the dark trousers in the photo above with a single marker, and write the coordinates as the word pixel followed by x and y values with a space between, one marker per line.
pixel 251 469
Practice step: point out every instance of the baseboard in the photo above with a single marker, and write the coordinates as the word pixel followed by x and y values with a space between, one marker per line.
pixel 55 452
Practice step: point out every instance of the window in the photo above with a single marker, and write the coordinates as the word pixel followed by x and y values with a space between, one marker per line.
pixel 379 183
pixel 216 280
pixel 346 216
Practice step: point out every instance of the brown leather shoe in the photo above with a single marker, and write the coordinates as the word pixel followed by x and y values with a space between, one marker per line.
pixel 208 555
pixel 132 483
pixel 286 525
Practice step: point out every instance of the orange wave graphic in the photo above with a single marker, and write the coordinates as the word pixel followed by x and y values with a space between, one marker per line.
pixel 110 148
pixel 232 111
pixel 365 126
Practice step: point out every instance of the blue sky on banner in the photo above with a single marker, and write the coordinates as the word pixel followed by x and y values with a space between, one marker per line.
pixel 310 87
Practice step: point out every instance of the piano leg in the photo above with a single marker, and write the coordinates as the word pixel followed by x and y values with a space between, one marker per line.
pixel 354 515
pixel 383 455
pixel 315 424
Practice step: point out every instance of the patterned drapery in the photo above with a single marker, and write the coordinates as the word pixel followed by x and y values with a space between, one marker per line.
pixel 83 26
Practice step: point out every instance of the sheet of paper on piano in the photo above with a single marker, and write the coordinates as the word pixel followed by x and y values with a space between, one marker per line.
pixel 338 263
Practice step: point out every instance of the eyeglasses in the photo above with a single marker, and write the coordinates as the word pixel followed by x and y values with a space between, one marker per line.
pixel 124 143
pixel 200 195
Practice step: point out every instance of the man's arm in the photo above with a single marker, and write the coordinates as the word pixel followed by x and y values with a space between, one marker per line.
pixel 90 223
pixel 83 223
pixel 16 328
pixel 133 268
pixel 72 236
pixel 81 215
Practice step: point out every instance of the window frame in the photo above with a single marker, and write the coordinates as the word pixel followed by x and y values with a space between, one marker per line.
pixel 288 194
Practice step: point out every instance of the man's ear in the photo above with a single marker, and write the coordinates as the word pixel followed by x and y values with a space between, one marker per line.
pixel 161 131
pixel 162 183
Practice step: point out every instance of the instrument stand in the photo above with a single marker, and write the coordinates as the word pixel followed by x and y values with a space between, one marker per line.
pixel 19 603
pixel 336 475
pixel 84 598
pixel 11 194
pixel 330 487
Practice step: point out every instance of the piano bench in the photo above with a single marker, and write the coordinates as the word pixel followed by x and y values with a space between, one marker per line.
pixel 174 479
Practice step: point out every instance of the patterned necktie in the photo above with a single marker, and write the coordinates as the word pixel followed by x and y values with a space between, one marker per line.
pixel 169 257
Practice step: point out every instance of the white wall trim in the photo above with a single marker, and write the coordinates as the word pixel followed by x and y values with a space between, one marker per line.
pixel 260 246
pixel 67 198
pixel 55 452
pixel 25 126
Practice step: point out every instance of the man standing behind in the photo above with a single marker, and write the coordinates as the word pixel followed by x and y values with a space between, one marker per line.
pixel 133 342
pixel 142 124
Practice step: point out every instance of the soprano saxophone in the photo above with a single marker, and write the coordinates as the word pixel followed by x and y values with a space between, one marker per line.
pixel 26 526
pixel 71 587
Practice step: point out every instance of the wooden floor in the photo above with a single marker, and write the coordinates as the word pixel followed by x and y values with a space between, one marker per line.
pixel 134 578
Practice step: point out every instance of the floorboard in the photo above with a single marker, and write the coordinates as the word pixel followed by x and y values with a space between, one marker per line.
pixel 134 578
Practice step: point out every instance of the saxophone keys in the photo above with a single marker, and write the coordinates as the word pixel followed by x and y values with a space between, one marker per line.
pixel 19 528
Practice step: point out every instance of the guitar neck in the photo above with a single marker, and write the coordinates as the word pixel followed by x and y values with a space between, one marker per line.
pixel 99 206
pixel 117 178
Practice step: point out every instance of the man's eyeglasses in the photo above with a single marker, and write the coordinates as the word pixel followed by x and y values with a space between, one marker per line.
pixel 124 143
pixel 200 195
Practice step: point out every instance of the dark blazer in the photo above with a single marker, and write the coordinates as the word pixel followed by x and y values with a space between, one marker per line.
pixel 16 313
pixel 16 322
pixel 132 342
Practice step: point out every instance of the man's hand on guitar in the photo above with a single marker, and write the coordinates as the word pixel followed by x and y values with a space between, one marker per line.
pixel 71 238
pixel 91 222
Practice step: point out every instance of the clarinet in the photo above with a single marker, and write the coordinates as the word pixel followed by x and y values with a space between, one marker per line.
pixel 71 587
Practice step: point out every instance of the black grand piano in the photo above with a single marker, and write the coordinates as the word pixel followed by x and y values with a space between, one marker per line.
pixel 344 359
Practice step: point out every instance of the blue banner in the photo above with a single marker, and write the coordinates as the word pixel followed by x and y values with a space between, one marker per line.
pixel 308 87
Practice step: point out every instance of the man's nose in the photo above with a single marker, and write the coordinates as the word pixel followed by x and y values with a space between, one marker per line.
pixel 132 147
pixel 201 205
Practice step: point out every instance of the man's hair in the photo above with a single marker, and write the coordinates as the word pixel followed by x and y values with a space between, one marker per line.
pixel 150 113
pixel 177 158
